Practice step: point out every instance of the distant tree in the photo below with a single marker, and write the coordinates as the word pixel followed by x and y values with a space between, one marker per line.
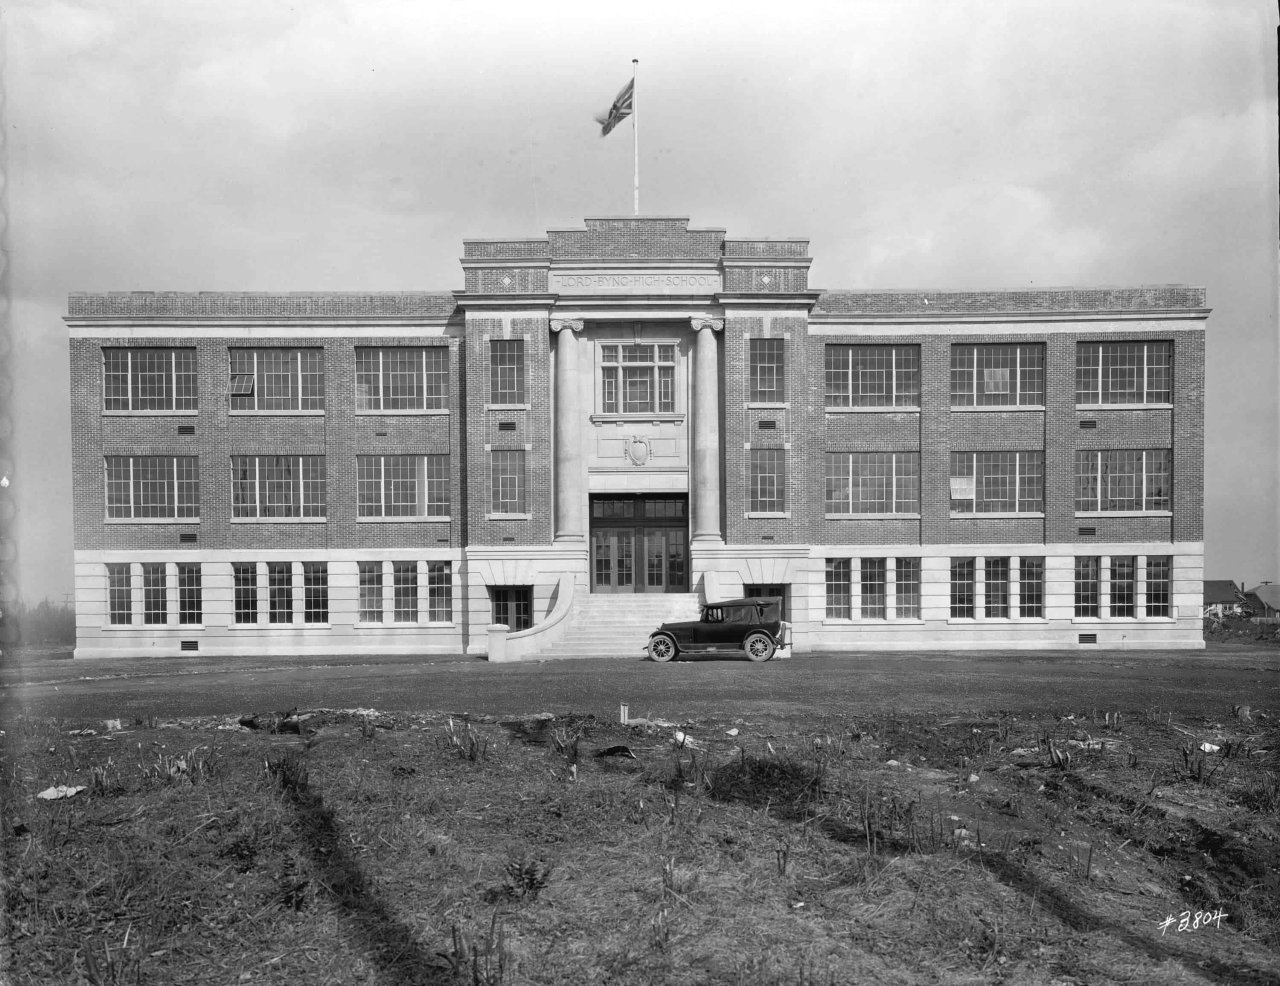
pixel 43 623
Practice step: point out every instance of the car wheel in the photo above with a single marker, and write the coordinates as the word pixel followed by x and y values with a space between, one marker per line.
pixel 662 648
pixel 758 647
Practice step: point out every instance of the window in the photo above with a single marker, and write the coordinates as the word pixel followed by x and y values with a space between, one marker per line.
pixel 153 487
pixel 315 592
pixel 767 480
pixel 1124 373
pixel 277 379
pixel 506 371
pixel 963 593
pixel 996 575
pixel 190 604
pixel 149 379
pixel 985 376
pixel 1123 479
pixel 402 485
pixel 402 379
pixel 997 482
pixel 155 607
pixel 370 591
pixel 508 481
pixel 873 483
pixel 1124 585
pixel 873 588
pixel 839 589
pixel 278 486
pixel 404 581
pixel 439 591
pixel 1088 586
pixel 1159 585
pixel 638 378
pixel 767 370
pixel 512 605
pixel 873 376
pixel 245 577
pixel 1031 588
pixel 119 594
pixel 907 579
pixel 279 592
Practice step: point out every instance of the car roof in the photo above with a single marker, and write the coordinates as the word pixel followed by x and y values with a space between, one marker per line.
pixel 746 601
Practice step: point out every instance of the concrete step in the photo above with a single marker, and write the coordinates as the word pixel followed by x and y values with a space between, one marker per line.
pixel 618 625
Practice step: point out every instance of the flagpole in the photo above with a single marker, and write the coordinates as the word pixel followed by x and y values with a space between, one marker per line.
pixel 635 130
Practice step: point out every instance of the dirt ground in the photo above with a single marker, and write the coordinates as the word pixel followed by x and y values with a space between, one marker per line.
pixel 1094 846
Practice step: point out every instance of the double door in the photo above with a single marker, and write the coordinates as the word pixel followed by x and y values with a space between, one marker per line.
pixel 636 547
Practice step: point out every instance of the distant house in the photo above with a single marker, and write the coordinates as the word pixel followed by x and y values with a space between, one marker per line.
pixel 1264 600
pixel 1222 597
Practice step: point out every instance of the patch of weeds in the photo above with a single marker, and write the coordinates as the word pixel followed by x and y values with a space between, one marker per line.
pixel 480 961
pixel 468 743
pixel 527 876
pixel 766 781
pixel 197 766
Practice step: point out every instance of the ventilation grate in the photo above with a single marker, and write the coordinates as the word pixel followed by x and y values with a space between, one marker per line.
pixel 188 537
pixel 186 429
pixel 1088 532
pixel 768 426
pixel 190 645
pixel 506 426
pixel 1088 424
pixel 1088 638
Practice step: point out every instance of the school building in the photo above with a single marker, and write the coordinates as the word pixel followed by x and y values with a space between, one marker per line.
pixel 610 423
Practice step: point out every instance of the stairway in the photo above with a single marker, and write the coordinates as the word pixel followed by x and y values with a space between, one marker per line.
pixel 618 625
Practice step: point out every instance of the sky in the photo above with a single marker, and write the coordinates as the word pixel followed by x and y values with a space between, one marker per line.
pixel 353 144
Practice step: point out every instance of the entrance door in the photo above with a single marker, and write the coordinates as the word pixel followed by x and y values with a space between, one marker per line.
pixel 613 559
pixel 639 544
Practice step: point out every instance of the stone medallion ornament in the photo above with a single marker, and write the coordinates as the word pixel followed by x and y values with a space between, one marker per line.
pixel 638 450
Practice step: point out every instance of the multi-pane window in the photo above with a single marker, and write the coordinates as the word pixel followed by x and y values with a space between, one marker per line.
pixel 767 480
pixel 277 379
pixel 370 591
pixel 512 605
pixel 245 592
pixel 1159 585
pixel 1031 588
pixel 279 592
pixel 997 482
pixel 963 588
pixel 155 608
pixel 839 589
pixel 986 376
pixel 153 487
pixel 404 584
pixel 190 603
pixel 995 573
pixel 873 482
pixel 767 368
pixel 506 371
pixel 1123 479
pixel 278 486
pixel 1088 585
pixel 315 592
pixel 638 378
pixel 402 485
pixel 149 379
pixel 1124 585
pixel 1124 373
pixel 119 594
pixel 872 376
pixel 873 588
pixel 402 379
pixel 508 481
pixel 439 591
pixel 907 586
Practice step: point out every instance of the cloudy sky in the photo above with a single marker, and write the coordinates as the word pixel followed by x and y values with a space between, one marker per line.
pixel 352 144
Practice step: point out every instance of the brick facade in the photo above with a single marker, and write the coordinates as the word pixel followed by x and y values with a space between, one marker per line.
pixel 628 281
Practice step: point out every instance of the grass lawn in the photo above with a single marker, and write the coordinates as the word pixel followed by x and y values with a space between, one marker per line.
pixel 399 849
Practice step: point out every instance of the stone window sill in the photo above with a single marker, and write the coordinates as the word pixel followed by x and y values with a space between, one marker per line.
pixel 404 520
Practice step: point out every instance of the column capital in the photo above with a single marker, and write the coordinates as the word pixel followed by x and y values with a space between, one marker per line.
pixel 561 324
pixel 714 324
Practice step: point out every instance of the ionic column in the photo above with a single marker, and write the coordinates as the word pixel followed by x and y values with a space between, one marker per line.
pixel 706 431
pixel 568 433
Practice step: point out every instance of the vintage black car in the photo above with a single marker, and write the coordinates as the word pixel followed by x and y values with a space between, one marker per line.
pixel 753 625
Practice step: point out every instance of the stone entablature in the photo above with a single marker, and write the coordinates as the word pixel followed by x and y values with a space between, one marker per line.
pixel 1155 298
pixel 242 304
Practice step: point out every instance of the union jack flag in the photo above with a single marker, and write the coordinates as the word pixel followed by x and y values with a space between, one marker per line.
pixel 620 110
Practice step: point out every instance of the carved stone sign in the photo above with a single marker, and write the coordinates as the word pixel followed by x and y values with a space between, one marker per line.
pixel 636 282
pixel 638 450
